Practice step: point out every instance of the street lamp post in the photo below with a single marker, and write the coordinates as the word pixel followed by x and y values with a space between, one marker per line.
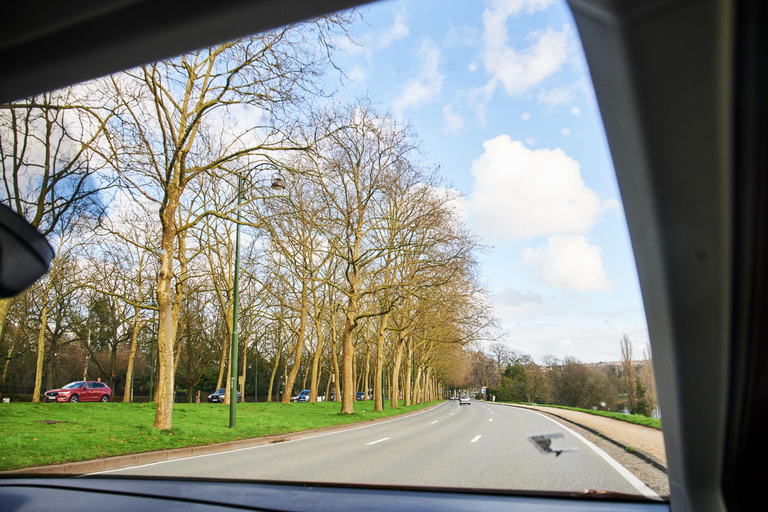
pixel 278 183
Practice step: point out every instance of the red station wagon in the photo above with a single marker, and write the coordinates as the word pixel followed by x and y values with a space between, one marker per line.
pixel 80 391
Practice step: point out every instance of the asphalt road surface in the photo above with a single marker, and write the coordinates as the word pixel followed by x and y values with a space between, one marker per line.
pixel 479 445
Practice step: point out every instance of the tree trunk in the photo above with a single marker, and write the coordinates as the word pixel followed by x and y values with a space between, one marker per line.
pixel 49 384
pixel 366 373
pixel 395 393
pixel 299 346
pixel 131 358
pixel 5 306
pixel 245 366
pixel 274 369
pixel 347 360
pixel 166 334
pixel 315 380
pixel 378 392
pixel 335 361
pixel 328 387
pixel 407 394
pixel 5 364
pixel 417 399
pixel 40 354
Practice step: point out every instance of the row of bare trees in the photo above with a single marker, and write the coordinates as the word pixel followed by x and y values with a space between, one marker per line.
pixel 627 384
pixel 135 179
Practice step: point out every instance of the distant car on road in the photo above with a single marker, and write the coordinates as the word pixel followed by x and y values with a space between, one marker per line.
pixel 464 400
pixel 218 396
pixel 80 391
pixel 303 396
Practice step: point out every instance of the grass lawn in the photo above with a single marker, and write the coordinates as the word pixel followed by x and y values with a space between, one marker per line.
pixel 41 434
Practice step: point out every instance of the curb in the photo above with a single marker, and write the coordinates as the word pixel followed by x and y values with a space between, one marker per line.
pixel 134 459
pixel 647 457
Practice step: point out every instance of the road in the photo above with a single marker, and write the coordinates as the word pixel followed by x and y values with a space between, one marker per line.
pixel 480 445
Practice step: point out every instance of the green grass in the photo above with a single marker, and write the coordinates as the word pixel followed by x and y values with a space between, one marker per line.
pixel 637 419
pixel 41 434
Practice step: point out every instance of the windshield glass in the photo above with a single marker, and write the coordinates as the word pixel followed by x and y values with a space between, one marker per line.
pixel 73 385
pixel 403 208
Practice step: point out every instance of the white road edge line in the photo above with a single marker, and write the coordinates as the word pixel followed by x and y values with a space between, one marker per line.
pixel 257 447
pixel 632 479
pixel 476 438
pixel 374 442
pixel 434 422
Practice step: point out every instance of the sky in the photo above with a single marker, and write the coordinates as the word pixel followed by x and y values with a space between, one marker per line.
pixel 499 93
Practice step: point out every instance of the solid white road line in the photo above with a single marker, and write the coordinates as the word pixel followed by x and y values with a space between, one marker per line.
pixel 632 479
pixel 434 422
pixel 374 442
pixel 476 438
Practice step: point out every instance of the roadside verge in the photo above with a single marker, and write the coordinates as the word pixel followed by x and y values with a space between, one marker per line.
pixel 121 461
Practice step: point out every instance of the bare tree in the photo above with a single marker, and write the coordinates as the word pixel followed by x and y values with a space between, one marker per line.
pixel 177 126
pixel 648 379
pixel 50 165
pixel 628 373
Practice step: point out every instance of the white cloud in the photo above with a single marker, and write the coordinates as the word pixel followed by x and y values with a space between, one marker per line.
pixel 428 82
pixel 375 39
pixel 462 36
pixel 357 75
pixel 453 121
pixel 525 116
pixel 519 71
pixel 570 263
pixel 562 95
pixel 529 141
pixel 399 30
pixel 557 96
pixel 575 111
pixel 479 98
pixel 495 17
pixel 472 67
pixel 565 131
pixel 509 297
pixel 521 193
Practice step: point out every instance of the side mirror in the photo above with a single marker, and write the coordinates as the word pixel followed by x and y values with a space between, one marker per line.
pixel 25 254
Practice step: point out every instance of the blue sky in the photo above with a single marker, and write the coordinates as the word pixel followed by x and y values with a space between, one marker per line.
pixel 500 95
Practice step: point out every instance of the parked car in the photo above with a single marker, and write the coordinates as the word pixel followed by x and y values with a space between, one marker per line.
pixel 218 396
pixel 360 395
pixel 303 396
pixel 464 400
pixel 80 391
